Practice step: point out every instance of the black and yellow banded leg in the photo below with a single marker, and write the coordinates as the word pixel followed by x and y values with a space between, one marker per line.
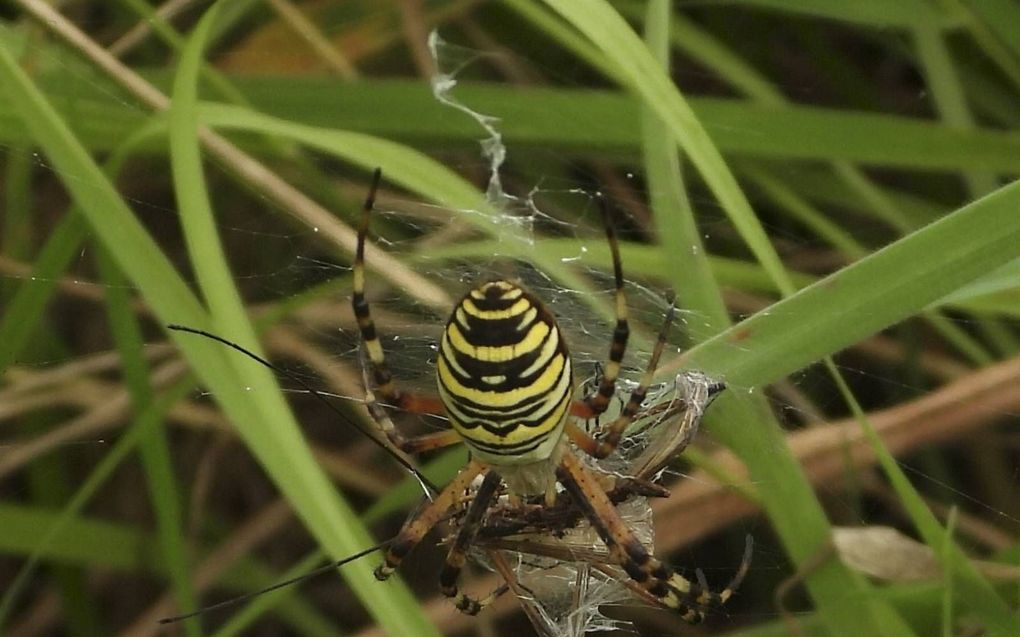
pixel 597 403
pixel 605 441
pixel 708 597
pixel 457 556
pixel 381 373
pixel 670 588
pixel 417 527
pixel 380 370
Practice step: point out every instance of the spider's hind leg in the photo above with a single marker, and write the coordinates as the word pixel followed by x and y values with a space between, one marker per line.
pixel 688 599
pixel 457 556
pixel 417 527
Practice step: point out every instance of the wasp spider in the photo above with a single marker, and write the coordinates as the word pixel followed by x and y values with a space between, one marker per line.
pixel 505 383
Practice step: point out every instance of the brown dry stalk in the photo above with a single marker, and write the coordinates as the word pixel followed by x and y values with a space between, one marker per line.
pixel 138 33
pixel 307 30
pixel 108 411
pixel 699 505
pixel 23 382
pixel 415 28
pixel 259 528
pixel 252 171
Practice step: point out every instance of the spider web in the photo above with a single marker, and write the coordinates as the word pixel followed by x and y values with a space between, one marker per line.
pixel 566 597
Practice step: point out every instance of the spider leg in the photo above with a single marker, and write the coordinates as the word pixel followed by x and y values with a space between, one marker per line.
pixel 598 402
pixel 381 374
pixel 605 441
pixel 457 556
pixel 431 441
pixel 413 445
pixel 670 588
pixel 380 370
pixel 417 527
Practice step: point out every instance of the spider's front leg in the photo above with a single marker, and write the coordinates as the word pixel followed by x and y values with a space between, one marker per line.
pixel 381 375
pixel 605 441
pixel 416 529
pixel 597 403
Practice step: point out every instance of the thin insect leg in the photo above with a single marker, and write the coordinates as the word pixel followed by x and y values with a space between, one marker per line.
pixel 605 441
pixel 598 402
pixel 240 599
pixel 670 588
pixel 457 556
pixel 381 373
pixel 416 528
pixel 426 484
pixel 709 597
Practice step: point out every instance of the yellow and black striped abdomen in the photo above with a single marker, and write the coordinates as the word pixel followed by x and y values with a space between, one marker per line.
pixel 504 375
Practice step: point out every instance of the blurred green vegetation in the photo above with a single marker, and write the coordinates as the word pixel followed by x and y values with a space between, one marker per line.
pixel 827 187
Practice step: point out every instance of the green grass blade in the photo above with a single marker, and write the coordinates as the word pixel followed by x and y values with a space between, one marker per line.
pixel 979 595
pixel 21 317
pixel 267 426
pixel 1001 17
pixel 154 449
pixel 542 19
pixel 872 13
pixel 796 514
pixel 81 541
pixel 275 438
pixel 949 98
pixel 688 269
pixel 400 164
pixel 44 538
pixel 642 74
pixel 888 286
pixel 549 119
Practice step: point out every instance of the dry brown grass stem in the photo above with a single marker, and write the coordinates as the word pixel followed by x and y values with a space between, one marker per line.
pixel 138 33
pixel 243 165
pixel 42 617
pixel 976 529
pixel 75 288
pixel 257 529
pixel 699 505
pixel 22 381
pixel 107 406
pixel 110 408
pixel 206 471
pixel 415 27
pixel 313 36
pixel 89 393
